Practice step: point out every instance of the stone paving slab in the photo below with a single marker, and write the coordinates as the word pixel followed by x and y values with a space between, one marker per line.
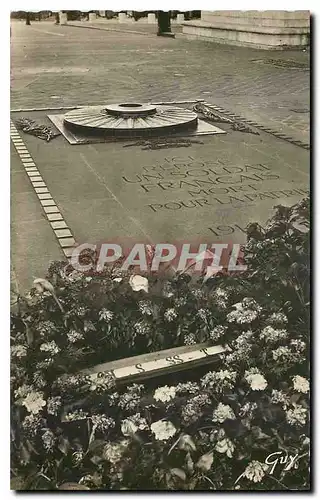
pixel 208 192
pixel 33 244
pixel 65 66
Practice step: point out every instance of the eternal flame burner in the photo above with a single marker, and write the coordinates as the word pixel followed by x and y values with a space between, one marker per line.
pixel 130 119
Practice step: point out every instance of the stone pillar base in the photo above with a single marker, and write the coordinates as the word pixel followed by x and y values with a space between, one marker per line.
pixel 152 19
pixel 258 29
pixel 63 18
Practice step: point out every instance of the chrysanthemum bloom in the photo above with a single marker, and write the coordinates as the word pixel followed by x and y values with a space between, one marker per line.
pixel 100 382
pixel 72 416
pixel 18 351
pixel 31 424
pixel 50 347
pixel 105 315
pixel 188 387
pixel 301 384
pixel 255 471
pixel 142 327
pixel 219 381
pixel 217 332
pixel 130 400
pixel 224 444
pixel 247 409
pixel 128 428
pixel 222 412
pixel 53 405
pixel 246 311
pixel 74 336
pixel 256 381
pixel 189 339
pixel 145 307
pixel 23 391
pixel 48 439
pixel 138 421
pixel 164 393
pixel 34 402
pixel 297 415
pixel 282 353
pixel 170 314
pixel 203 314
pixel 138 283
pixel 102 423
pixel 113 452
pixel 270 334
pixel 277 318
pixel 77 457
pixel 279 397
pixel 221 298
pixel 38 380
pixel 163 430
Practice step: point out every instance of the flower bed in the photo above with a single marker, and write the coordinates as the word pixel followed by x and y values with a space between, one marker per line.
pixel 210 429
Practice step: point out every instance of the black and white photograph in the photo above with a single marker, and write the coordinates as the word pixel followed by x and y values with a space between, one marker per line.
pixel 160 249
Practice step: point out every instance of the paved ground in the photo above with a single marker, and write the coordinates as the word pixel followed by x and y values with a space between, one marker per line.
pixel 65 66
pixel 101 189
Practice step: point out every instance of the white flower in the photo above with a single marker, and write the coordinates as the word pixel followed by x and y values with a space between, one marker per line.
pixel 222 412
pixel 247 409
pixel 217 332
pixel 189 339
pixel 113 452
pixel 298 344
pixel 283 353
pixel 170 314
pixel 301 384
pixel 255 471
pixel 219 381
pixel 246 311
pixel 48 439
pixel 100 381
pixel 53 405
pixel 271 334
pixel 76 415
pixel 19 351
pixel 102 423
pixel 105 315
pixel 145 307
pixel 128 428
pixel 50 347
pixel 297 415
pixel 277 318
pixel 280 397
pixel 163 430
pixel 138 421
pixel 256 381
pixel 34 402
pixel 164 393
pixel 138 283
pixel 23 391
pixel 74 336
pixel 224 444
